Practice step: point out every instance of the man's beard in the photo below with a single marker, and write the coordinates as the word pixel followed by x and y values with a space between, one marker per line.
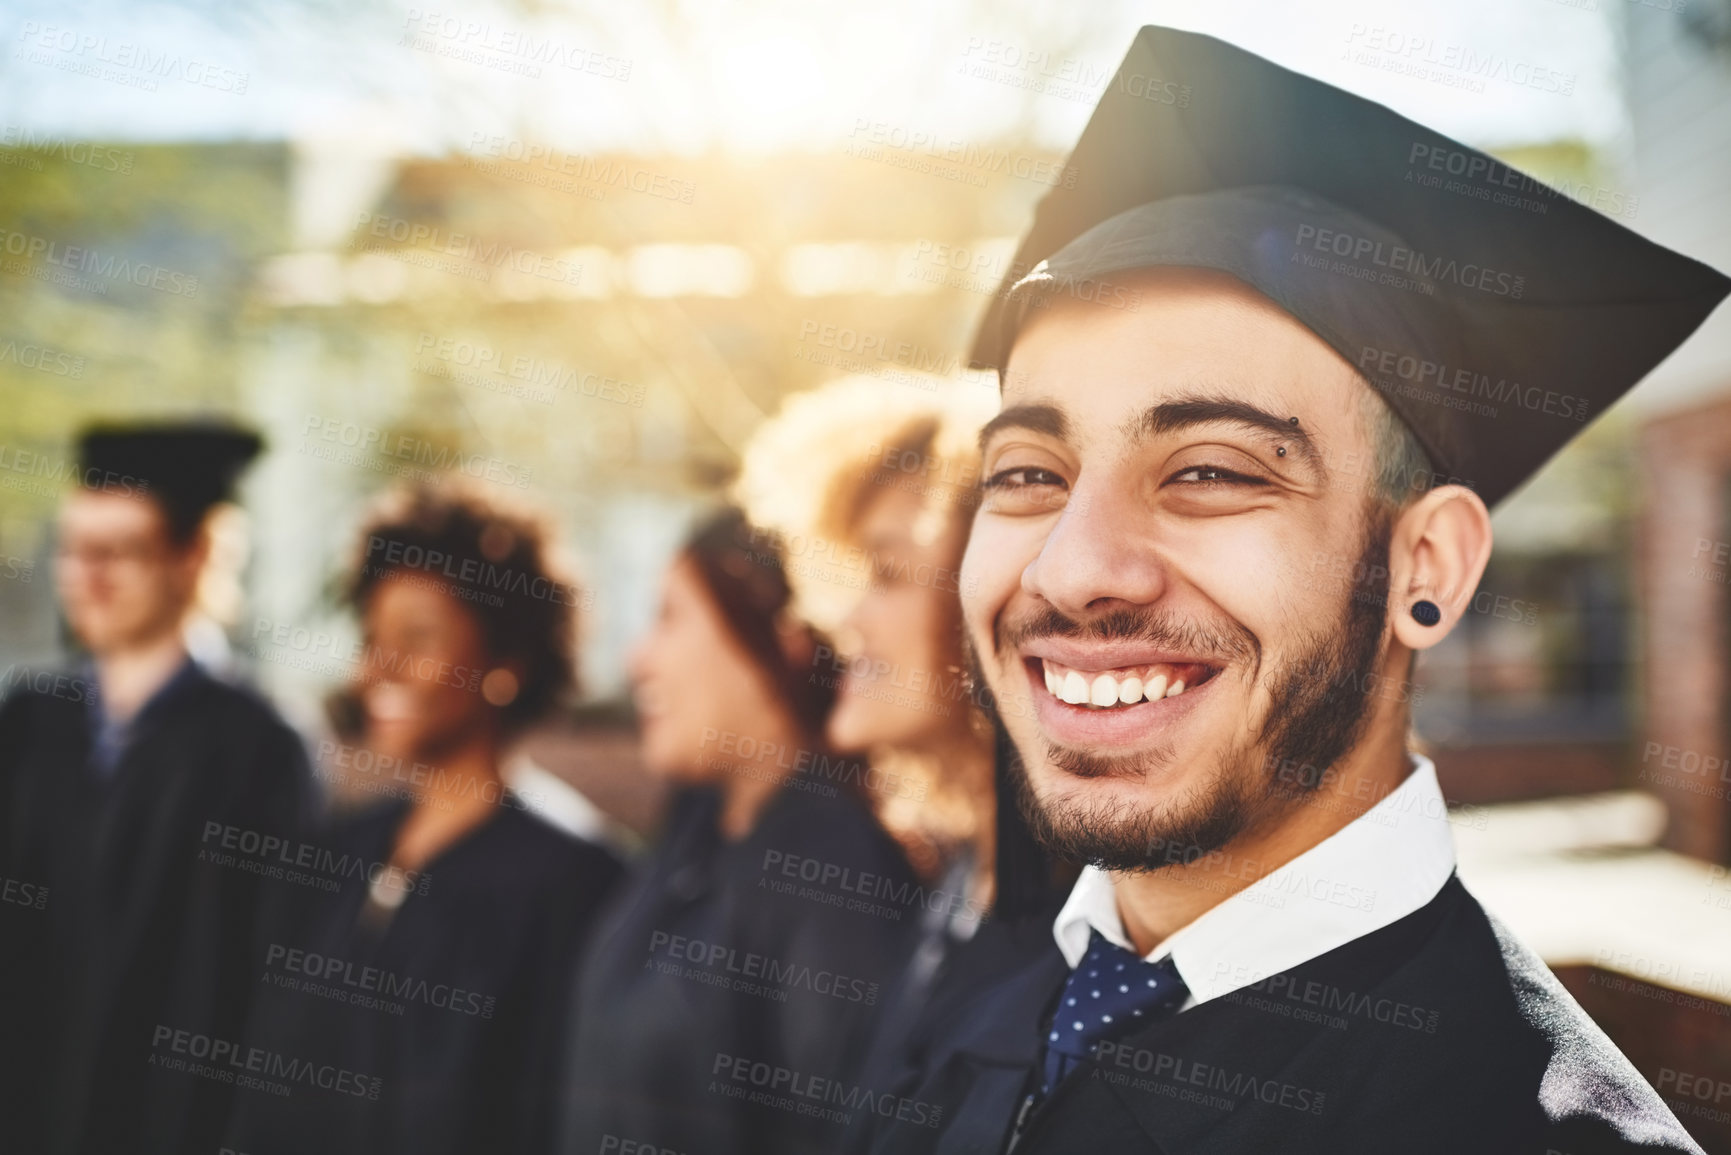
pixel 1319 706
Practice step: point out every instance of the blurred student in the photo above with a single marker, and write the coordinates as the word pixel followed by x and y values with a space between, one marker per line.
pixel 882 479
pixel 113 778
pixel 755 940
pixel 432 980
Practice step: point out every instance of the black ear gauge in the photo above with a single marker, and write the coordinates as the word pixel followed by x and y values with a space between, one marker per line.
pixel 1426 613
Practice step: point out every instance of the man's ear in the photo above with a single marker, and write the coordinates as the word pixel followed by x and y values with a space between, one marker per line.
pixel 798 644
pixel 189 559
pixel 1437 553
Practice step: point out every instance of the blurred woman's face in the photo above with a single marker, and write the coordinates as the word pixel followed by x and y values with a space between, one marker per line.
pixel 425 660
pixel 700 696
pixel 901 683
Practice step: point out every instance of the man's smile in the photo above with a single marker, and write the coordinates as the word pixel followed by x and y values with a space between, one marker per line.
pixel 1108 697
pixel 1121 686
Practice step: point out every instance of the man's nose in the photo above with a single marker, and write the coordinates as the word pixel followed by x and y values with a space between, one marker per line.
pixel 1099 553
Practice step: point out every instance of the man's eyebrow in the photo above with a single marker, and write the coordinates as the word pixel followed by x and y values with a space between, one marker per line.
pixel 1047 419
pixel 1186 412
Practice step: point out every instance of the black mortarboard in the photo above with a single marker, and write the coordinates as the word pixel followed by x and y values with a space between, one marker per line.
pixel 186 466
pixel 1495 315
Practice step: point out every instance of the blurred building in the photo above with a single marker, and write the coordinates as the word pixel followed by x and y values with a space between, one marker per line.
pixel 1679 78
pixel 1642 935
pixel 597 334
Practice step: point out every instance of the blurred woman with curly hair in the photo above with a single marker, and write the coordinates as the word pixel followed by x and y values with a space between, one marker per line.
pixel 428 954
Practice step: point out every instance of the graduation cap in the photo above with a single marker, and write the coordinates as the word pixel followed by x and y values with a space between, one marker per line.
pixel 188 467
pixel 1495 315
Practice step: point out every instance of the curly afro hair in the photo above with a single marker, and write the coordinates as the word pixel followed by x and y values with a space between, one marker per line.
pixel 496 559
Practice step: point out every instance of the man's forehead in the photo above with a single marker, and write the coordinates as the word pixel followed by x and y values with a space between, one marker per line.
pixel 97 510
pixel 1202 347
pixel 1174 293
pixel 1123 404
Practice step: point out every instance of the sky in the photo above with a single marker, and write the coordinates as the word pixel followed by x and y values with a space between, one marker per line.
pixel 759 75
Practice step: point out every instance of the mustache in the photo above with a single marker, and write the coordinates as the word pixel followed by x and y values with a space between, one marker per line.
pixel 1160 628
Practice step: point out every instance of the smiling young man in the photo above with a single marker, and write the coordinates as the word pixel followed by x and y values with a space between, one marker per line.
pixel 1239 480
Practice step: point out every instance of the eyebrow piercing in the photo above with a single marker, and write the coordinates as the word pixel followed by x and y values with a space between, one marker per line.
pixel 1293 420
pixel 1280 451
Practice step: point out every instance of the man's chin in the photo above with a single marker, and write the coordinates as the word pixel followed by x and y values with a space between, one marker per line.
pixel 1130 785
pixel 1123 814
pixel 99 633
pixel 1089 769
pixel 1158 769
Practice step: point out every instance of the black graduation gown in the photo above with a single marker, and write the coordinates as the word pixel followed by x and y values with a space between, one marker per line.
pixel 996 948
pixel 1438 1033
pixel 442 1027
pixel 137 929
pixel 726 1007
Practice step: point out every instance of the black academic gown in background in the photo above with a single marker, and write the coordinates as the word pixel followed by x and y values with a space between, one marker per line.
pixel 964 966
pixel 1436 1034
pixel 137 930
pixel 442 1024
pixel 714 959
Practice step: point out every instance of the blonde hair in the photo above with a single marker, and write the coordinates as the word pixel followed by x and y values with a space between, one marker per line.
pixel 808 473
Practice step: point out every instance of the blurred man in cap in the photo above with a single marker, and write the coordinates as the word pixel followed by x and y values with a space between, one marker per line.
pixel 112 778
pixel 1263 374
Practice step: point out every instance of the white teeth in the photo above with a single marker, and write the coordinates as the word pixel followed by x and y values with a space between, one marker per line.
pixel 1104 691
pixel 1075 690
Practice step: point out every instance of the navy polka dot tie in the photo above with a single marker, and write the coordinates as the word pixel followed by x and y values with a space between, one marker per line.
pixel 1110 992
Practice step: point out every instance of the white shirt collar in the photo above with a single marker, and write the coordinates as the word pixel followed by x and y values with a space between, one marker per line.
pixel 1379 868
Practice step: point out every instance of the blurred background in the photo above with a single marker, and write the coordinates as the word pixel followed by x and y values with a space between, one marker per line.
pixel 579 251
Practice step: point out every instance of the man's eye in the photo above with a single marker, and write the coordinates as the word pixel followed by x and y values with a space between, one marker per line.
pixel 1214 475
pixel 1021 477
